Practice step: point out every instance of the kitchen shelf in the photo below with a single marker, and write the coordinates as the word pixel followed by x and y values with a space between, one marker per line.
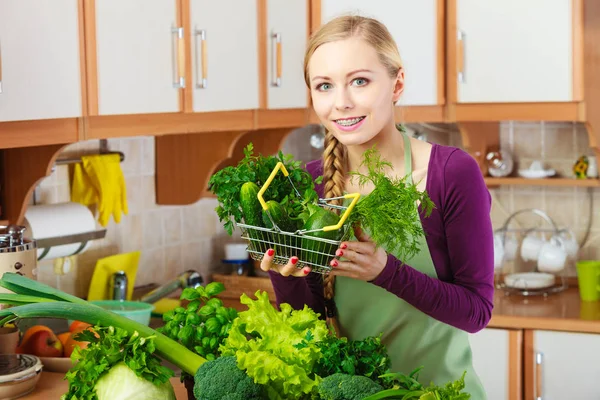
pixel 563 182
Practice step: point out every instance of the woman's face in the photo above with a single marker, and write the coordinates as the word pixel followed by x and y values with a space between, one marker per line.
pixel 352 92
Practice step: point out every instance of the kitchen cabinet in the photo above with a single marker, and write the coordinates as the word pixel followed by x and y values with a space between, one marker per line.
pixel 137 56
pixel 286 36
pixel 40 60
pixel 516 51
pixel 224 55
pixel 414 27
pixel 497 361
pixel 562 365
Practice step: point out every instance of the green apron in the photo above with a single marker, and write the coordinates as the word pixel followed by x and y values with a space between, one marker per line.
pixel 413 338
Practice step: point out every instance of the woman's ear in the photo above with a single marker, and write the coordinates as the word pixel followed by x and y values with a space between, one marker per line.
pixel 398 85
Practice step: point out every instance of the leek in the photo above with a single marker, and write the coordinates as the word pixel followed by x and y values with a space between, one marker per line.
pixel 42 303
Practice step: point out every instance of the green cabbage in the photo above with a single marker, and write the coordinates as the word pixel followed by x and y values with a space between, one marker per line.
pixel 121 383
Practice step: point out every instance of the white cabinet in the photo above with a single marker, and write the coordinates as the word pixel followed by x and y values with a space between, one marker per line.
pixel 514 51
pixel 40 60
pixel 566 365
pixel 414 27
pixel 139 56
pixel 224 54
pixel 287 34
pixel 491 359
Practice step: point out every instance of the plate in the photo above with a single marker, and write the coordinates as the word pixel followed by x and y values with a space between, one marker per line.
pixel 530 280
pixel 536 173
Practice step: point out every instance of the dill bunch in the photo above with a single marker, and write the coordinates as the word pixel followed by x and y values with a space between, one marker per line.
pixel 390 213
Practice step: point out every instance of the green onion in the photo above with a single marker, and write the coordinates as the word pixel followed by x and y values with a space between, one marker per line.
pixel 42 303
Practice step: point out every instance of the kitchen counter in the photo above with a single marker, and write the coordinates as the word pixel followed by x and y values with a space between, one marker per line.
pixel 52 385
pixel 562 312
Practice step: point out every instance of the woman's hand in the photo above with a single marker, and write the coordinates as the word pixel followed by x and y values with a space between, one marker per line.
pixel 286 270
pixel 363 260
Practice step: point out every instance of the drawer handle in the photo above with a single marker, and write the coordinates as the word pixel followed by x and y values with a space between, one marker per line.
pixel 539 359
pixel 461 56
pixel 201 79
pixel 178 58
pixel 276 53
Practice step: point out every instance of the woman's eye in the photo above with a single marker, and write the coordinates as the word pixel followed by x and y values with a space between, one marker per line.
pixel 324 86
pixel 360 81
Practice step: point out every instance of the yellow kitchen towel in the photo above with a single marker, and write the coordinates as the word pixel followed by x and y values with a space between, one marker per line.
pixel 103 273
pixel 99 180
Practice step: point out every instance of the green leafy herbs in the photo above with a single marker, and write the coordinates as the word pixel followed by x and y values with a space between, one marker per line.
pixel 367 357
pixel 277 348
pixel 203 324
pixel 109 346
pixel 390 213
pixel 227 182
pixel 408 387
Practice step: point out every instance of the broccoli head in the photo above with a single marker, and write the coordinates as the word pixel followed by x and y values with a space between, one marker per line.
pixel 221 379
pixel 347 387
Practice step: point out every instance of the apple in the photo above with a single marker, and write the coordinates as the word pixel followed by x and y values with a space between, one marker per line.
pixel 43 344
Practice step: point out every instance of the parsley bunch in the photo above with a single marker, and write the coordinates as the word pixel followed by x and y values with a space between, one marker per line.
pixel 109 346
pixel 390 212
pixel 227 182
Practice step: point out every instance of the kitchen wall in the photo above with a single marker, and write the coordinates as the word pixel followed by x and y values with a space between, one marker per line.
pixel 176 238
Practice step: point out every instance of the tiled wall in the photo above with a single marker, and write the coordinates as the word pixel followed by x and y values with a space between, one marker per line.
pixel 176 238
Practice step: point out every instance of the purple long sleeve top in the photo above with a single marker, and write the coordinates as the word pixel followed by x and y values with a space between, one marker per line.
pixel 459 235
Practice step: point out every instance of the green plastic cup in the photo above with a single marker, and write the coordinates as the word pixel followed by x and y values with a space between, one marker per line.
pixel 588 275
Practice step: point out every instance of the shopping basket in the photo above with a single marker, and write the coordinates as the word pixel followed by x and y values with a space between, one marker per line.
pixel 313 252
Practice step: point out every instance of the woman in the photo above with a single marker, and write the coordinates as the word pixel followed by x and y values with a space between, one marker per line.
pixel 423 306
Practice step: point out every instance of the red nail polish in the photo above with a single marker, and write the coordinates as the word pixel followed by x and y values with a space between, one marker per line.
pixel 270 252
pixel 294 260
pixel 306 271
pixel 339 253
pixel 334 263
pixel 344 246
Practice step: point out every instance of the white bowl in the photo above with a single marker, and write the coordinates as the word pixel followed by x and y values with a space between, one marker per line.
pixel 529 280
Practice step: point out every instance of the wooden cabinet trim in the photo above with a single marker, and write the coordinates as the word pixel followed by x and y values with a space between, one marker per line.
pixel 82 58
pixel 578 50
pixel 187 97
pixel 91 57
pixel 263 93
pixel 441 51
pixel 559 111
pixel 515 364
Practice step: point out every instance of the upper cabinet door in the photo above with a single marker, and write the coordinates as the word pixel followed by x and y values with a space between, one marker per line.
pixel 40 62
pixel 139 51
pixel 224 54
pixel 514 51
pixel 287 34
pixel 414 25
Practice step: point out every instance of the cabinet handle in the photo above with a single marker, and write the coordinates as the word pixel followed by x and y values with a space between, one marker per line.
pixel 461 56
pixel 539 358
pixel 201 79
pixel 0 68
pixel 276 54
pixel 178 58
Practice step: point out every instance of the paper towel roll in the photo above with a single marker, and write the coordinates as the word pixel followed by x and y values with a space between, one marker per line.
pixel 61 219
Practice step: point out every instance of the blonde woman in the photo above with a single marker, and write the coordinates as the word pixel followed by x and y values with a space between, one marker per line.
pixel 423 306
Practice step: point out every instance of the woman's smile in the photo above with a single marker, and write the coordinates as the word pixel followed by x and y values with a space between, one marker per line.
pixel 349 124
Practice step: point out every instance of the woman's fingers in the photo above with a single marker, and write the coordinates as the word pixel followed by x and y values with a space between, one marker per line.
pixel 353 256
pixel 291 268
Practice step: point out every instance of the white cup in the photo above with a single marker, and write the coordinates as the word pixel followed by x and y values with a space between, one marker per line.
pixel 498 251
pixel 570 243
pixel 530 248
pixel 552 256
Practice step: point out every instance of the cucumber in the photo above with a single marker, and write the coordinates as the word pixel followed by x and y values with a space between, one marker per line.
pixel 320 219
pixel 285 223
pixel 251 211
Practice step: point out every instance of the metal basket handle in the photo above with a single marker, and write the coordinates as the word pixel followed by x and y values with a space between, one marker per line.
pixel 354 197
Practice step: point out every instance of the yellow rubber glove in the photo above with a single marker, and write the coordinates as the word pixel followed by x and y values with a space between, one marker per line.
pixel 83 190
pixel 104 172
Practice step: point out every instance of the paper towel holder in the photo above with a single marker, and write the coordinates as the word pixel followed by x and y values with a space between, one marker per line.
pixel 82 238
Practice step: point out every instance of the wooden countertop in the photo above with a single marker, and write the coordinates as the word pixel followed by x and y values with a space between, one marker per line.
pixel 52 385
pixel 562 311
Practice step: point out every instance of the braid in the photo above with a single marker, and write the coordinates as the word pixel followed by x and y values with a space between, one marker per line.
pixel 334 165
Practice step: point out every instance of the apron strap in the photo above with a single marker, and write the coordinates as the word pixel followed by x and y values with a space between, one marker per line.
pixel 407 158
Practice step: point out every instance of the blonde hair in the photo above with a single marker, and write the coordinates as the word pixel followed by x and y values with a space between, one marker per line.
pixel 334 153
